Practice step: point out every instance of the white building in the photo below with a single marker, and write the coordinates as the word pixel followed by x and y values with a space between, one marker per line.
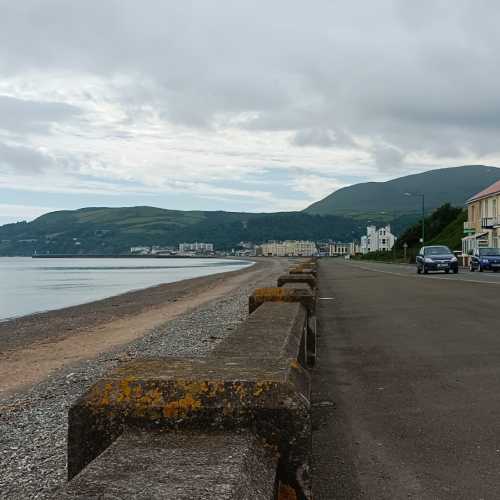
pixel 140 250
pixel 273 249
pixel 377 240
pixel 196 247
pixel 158 250
pixel 289 248
pixel 338 248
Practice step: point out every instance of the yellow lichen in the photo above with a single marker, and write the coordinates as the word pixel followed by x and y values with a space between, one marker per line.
pixel 268 294
pixel 240 390
pixel 182 406
pixel 104 399
pixel 261 387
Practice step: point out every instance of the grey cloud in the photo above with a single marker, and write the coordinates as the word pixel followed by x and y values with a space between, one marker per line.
pixel 23 160
pixel 324 138
pixel 421 76
pixel 388 157
pixel 19 115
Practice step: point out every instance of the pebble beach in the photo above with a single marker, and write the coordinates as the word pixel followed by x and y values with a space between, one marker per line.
pixel 33 418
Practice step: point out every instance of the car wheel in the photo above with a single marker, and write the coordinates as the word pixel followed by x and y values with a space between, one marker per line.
pixel 480 268
pixel 426 271
pixel 447 271
pixel 455 271
pixel 418 270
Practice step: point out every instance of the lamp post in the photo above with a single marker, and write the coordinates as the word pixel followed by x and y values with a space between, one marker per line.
pixel 423 212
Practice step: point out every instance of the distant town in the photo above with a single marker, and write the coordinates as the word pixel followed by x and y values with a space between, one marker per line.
pixel 376 239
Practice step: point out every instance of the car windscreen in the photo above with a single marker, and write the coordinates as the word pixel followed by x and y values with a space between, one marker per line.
pixel 489 251
pixel 437 251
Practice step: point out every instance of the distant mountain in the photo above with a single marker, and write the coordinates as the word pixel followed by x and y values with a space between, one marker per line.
pixel 342 216
pixel 387 200
pixel 114 230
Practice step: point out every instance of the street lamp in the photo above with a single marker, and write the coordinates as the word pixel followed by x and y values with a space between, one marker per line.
pixel 423 212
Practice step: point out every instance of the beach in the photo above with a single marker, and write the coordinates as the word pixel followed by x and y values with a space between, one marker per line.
pixel 48 360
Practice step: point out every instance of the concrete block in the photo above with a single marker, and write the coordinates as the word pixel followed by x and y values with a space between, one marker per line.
pixel 273 330
pixel 311 341
pixel 290 292
pixel 303 270
pixel 271 319
pixel 185 465
pixel 270 397
pixel 298 278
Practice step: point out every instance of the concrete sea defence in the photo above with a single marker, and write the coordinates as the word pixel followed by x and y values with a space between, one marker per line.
pixel 131 434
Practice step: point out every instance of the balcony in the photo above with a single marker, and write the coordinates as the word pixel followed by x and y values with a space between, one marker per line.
pixel 490 222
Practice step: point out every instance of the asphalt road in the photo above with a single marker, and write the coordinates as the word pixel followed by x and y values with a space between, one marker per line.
pixel 407 385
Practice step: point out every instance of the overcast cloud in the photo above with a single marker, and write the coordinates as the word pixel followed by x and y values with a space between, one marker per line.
pixel 260 106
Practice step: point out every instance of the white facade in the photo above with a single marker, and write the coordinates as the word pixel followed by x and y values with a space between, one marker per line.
pixel 338 248
pixel 196 247
pixel 289 248
pixel 377 240
pixel 140 250
pixel 157 250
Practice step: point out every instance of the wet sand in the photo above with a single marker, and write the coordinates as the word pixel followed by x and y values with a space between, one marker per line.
pixel 34 346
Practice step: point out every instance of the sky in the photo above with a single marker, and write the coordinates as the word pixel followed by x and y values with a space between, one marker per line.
pixel 243 106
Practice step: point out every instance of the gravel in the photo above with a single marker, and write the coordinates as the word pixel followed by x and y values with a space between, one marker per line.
pixel 33 424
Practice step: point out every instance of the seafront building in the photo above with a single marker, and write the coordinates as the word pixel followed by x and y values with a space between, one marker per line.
pixel 159 250
pixel 482 228
pixel 184 249
pixel 196 247
pixel 140 250
pixel 377 240
pixel 338 248
pixel 288 248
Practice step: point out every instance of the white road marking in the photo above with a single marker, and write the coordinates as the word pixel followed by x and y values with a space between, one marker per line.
pixel 435 277
pixel 326 298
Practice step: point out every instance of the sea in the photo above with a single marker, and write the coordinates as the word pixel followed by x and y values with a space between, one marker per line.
pixel 30 285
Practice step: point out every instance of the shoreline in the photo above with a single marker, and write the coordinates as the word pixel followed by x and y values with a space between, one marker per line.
pixel 124 288
pixel 34 346
pixel 33 421
pixel 121 256
pixel 19 331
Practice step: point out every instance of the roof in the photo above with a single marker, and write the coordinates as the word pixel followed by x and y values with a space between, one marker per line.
pixel 476 236
pixel 490 190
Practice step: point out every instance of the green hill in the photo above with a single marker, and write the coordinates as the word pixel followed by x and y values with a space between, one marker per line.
pixel 114 230
pixel 385 201
pixel 342 216
pixel 445 226
pixel 452 234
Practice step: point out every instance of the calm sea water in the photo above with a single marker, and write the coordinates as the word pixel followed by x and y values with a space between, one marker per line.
pixel 34 285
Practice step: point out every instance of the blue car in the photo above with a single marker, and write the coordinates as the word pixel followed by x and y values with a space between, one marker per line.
pixel 436 258
pixel 485 259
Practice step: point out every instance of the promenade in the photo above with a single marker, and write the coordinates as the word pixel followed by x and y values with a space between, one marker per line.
pixel 406 390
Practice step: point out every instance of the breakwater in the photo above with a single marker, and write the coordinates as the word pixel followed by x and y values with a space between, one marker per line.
pixel 156 424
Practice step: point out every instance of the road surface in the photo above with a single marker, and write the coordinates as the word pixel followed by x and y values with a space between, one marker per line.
pixel 406 399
